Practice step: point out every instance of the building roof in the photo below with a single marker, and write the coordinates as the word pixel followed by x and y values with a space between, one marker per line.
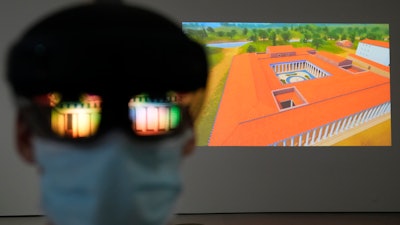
pixel 383 44
pixel 332 57
pixel 280 49
pixel 345 43
pixel 248 113
pixel 370 62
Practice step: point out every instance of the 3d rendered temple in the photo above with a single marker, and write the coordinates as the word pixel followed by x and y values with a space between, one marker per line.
pixel 290 96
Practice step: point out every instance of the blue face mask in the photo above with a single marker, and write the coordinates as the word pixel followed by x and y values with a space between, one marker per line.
pixel 118 181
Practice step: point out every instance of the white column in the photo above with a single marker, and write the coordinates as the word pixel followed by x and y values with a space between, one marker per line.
pixel 359 118
pixel 307 136
pixel 337 127
pixel 387 108
pixel 380 110
pixel 326 131
pixel 368 115
pixel 300 139
pixel 313 137
pixel 320 134
pixel 364 116
pixel 354 120
pixel 333 126
pixel 348 122
pixel 374 112
pixel 343 125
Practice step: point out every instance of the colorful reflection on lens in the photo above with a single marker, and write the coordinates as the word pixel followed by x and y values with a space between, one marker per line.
pixel 77 119
pixel 153 117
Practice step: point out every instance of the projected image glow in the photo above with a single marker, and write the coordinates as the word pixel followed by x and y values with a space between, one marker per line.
pixel 295 84
pixel 75 119
pixel 153 117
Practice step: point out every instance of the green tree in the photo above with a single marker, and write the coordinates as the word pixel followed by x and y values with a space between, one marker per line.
pixel 210 29
pixel 196 34
pixel 232 33
pixel 325 29
pixel 307 35
pixel 310 27
pixel 272 37
pixel 317 41
pixel 251 48
pixel 352 36
pixel 253 38
pixel 375 29
pixel 204 35
pixel 245 30
pixel 333 35
pixel 286 35
pixel 255 31
pixel 374 35
pixel 263 34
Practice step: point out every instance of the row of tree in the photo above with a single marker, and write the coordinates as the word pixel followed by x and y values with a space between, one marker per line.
pixel 308 33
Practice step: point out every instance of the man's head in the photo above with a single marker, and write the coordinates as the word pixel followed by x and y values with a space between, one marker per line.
pixel 106 97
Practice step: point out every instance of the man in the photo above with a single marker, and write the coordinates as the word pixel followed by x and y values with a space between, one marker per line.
pixel 106 96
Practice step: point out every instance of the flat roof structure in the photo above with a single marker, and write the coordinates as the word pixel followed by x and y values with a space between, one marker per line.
pixel 259 109
pixel 383 44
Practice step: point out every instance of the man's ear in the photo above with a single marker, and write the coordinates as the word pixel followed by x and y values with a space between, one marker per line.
pixel 24 139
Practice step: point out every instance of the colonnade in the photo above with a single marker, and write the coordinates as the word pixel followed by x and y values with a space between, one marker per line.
pixel 299 65
pixel 316 135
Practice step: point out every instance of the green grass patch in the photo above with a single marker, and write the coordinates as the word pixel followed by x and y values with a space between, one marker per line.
pixel 206 120
pixel 330 46
pixel 214 55
pixel 260 46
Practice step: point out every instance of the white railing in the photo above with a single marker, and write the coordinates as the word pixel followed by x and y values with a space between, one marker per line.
pixel 319 134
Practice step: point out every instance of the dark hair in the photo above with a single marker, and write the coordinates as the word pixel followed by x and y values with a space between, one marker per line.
pixel 96 47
